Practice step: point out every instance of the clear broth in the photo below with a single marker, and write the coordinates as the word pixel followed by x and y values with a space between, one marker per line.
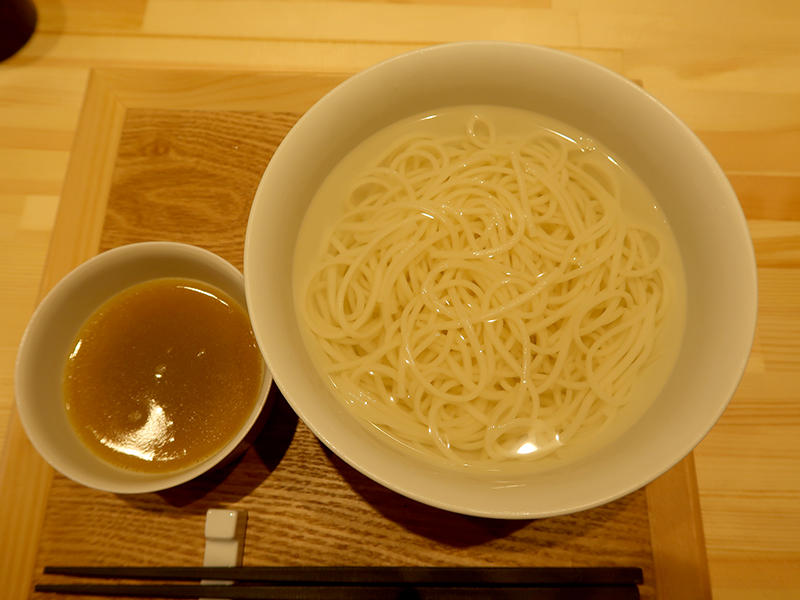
pixel 637 203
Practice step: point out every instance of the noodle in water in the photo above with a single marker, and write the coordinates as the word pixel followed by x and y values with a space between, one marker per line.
pixel 484 297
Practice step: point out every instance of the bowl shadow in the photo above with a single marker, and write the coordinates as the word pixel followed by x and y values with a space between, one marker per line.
pixel 236 479
pixel 460 531
pixel 445 527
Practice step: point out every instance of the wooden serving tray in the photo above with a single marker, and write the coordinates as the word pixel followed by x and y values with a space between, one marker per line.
pixel 165 155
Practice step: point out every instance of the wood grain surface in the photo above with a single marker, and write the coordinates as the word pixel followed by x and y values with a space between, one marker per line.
pixel 731 71
pixel 190 176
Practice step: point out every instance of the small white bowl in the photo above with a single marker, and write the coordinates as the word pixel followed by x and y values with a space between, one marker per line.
pixel 47 342
pixel 689 185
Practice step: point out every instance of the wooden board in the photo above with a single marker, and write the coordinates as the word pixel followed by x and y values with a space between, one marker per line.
pixel 177 156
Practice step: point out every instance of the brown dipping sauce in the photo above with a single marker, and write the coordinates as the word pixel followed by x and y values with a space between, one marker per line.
pixel 162 376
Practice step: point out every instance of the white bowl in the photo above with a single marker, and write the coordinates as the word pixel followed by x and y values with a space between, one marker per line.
pixel 51 333
pixel 690 186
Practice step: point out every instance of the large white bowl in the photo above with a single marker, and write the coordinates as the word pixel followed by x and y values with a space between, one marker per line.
pixel 690 186
pixel 50 336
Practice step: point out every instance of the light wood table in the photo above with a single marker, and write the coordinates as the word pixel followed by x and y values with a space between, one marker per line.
pixel 731 72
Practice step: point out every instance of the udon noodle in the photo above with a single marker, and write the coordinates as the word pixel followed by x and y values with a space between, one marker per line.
pixel 485 297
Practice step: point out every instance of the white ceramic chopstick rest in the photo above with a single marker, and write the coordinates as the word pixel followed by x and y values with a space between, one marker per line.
pixel 225 531
pixel 224 537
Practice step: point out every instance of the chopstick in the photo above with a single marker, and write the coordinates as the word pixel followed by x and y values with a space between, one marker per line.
pixel 349 592
pixel 430 576
pixel 361 583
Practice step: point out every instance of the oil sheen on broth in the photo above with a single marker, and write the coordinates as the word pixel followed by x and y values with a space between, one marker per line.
pixel 478 359
pixel 162 376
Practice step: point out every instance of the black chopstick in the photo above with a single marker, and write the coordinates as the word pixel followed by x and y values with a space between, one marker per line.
pixel 360 583
pixel 375 576
pixel 349 592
